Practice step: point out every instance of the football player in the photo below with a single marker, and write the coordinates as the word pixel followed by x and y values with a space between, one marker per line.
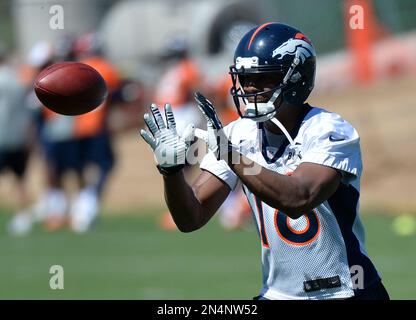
pixel 300 167
pixel 15 138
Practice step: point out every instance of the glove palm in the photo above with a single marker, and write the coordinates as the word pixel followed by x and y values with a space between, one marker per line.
pixel 169 147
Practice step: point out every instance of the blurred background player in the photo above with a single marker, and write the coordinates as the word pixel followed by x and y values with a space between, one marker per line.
pixel 75 144
pixel 52 205
pixel 179 82
pixel 15 127
pixel 92 135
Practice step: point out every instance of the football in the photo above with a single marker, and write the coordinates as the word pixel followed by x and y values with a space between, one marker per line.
pixel 70 88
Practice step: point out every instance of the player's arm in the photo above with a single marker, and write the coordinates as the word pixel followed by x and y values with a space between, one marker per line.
pixel 193 206
pixel 296 194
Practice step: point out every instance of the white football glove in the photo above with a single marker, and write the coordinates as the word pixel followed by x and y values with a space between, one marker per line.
pixel 214 136
pixel 169 148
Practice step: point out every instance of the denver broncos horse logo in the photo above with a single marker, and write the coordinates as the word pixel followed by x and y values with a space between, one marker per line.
pixel 298 43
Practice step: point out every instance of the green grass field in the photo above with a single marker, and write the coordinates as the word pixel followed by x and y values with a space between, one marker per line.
pixel 128 257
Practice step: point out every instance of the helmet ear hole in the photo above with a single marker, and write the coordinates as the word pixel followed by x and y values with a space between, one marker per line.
pixel 296 77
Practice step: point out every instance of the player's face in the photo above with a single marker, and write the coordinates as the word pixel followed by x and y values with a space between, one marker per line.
pixel 255 83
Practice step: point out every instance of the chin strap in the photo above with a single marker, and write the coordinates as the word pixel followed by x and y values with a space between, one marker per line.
pixel 274 97
pixel 267 107
pixel 286 133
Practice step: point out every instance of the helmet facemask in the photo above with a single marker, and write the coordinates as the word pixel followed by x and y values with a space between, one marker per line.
pixel 261 111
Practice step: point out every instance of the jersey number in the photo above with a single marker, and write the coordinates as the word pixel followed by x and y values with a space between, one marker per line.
pixel 284 229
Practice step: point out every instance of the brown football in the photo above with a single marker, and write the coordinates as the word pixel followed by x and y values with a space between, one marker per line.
pixel 70 88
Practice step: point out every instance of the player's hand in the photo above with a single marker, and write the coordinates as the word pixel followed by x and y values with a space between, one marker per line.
pixel 169 148
pixel 214 136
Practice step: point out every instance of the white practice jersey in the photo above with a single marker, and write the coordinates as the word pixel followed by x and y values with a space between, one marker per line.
pixel 321 255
